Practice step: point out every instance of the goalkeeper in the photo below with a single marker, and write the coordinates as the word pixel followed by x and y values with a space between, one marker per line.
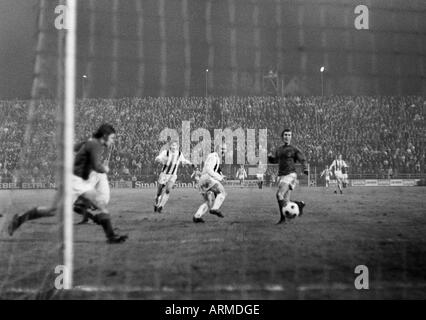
pixel 87 159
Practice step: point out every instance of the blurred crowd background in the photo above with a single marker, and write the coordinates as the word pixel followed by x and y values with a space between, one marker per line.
pixel 375 135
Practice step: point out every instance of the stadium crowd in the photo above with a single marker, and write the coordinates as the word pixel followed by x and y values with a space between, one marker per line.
pixel 383 135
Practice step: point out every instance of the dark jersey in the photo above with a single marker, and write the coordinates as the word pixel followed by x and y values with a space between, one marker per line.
pixel 88 158
pixel 287 156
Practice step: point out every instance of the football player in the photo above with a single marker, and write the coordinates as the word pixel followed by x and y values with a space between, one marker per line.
pixel 338 165
pixel 170 159
pixel 87 159
pixel 211 186
pixel 326 173
pixel 286 156
pixel 241 174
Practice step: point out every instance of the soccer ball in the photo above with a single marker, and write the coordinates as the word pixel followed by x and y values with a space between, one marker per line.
pixel 291 210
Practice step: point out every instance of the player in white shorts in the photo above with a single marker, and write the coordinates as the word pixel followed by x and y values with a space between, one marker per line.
pixel 84 207
pixel 170 159
pixel 87 159
pixel 286 156
pixel 326 173
pixel 338 165
pixel 211 186
pixel 99 182
pixel 241 175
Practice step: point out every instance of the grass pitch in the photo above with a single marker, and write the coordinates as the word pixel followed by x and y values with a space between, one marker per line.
pixel 243 256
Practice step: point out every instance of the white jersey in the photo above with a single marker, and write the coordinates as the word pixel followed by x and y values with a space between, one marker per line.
pixel 211 166
pixel 338 165
pixel 326 173
pixel 241 173
pixel 171 161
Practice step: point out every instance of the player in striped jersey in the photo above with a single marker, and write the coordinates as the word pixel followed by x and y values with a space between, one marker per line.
pixel 338 166
pixel 170 159
pixel 211 187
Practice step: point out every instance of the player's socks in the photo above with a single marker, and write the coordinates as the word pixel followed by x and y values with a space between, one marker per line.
pixel 82 209
pixel 164 200
pixel 218 201
pixel 18 220
pixel 281 205
pixel 104 220
pixel 201 211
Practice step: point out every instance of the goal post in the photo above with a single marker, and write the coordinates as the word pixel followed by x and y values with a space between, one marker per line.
pixel 66 149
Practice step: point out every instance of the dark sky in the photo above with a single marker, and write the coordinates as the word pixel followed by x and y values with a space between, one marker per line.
pixel 17 43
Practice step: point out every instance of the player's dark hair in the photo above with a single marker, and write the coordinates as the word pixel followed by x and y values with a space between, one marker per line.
pixel 104 131
pixel 284 131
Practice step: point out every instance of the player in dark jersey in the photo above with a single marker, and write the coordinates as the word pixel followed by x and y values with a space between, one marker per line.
pixel 286 156
pixel 87 160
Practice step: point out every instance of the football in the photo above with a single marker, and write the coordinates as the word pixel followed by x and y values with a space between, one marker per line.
pixel 291 210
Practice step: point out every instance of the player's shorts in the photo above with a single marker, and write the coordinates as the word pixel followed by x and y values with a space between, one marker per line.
pixel 80 186
pixel 99 181
pixel 207 183
pixel 259 177
pixel 241 177
pixel 338 175
pixel 167 178
pixel 290 179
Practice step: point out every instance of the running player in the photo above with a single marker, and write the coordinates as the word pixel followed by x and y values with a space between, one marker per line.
pixel 260 174
pixel 196 176
pixel 326 173
pixel 286 156
pixel 100 182
pixel 170 159
pixel 87 159
pixel 241 175
pixel 338 165
pixel 211 187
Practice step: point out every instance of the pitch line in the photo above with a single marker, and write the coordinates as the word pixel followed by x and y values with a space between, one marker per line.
pixel 226 288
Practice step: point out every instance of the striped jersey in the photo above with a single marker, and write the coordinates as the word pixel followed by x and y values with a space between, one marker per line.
pixel 212 166
pixel 338 165
pixel 171 161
